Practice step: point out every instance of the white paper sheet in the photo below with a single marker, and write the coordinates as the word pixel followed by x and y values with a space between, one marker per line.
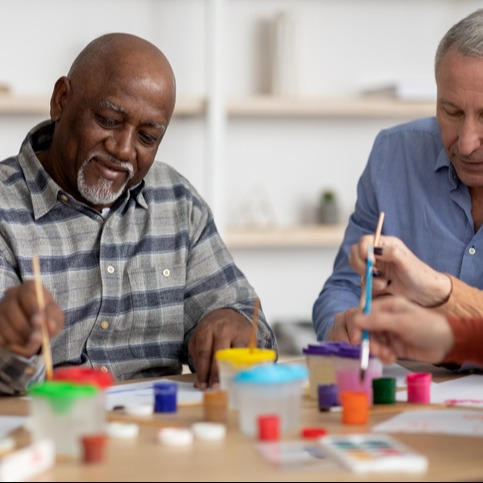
pixel 140 393
pixel 11 423
pixel 446 421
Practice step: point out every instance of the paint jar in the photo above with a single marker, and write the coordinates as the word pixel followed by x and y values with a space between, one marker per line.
pixel 64 412
pixel 328 396
pixel 236 359
pixel 268 427
pixel 355 407
pixel 419 387
pixel 320 363
pixel 384 390
pixel 165 397
pixel 215 404
pixel 348 370
pixel 93 447
pixel 274 389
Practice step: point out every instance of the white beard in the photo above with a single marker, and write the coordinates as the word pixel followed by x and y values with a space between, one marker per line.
pixel 101 193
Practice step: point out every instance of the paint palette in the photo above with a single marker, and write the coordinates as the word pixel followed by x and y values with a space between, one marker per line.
pixel 364 453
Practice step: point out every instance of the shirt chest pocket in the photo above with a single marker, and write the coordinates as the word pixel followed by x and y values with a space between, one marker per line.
pixel 153 288
pixel 157 297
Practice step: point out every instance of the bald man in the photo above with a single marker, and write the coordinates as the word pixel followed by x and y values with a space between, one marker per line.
pixel 136 277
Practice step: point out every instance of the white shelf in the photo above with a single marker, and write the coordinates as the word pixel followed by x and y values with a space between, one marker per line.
pixel 304 236
pixel 262 106
pixel 14 104
pixel 25 104
pixel 355 107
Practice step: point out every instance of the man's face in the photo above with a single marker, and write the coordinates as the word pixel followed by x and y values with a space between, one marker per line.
pixel 108 133
pixel 459 81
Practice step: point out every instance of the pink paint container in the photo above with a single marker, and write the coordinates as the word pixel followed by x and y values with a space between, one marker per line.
pixel 419 387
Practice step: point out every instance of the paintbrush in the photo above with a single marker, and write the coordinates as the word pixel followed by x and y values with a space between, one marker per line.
pixel 46 352
pixel 377 235
pixel 366 301
pixel 365 342
pixel 253 334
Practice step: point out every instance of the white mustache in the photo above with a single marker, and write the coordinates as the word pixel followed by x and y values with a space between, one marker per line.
pixel 111 159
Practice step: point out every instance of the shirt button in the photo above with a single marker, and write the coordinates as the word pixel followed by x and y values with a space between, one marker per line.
pixel 64 198
pixel 105 324
pixel 166 272
pixel 104 369
pixel 471 251
pixel 110 269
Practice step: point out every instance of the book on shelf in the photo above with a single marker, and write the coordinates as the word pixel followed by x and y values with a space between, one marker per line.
pixel 407 90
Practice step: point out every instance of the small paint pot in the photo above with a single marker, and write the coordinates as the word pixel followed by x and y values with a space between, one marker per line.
pixel 328 396
pixel 165 397
pixel 268 427
pixel 384 390
pixel 355 407
pixel 419 387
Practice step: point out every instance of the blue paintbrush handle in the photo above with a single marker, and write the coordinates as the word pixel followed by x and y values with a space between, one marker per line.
pixel 367 310
pixel 368 283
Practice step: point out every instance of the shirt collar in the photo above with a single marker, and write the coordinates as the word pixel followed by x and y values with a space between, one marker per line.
pixel 44 191
pixel 443 161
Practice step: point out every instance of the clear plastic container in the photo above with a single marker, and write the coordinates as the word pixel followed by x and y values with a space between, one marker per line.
pixel 65 412
pixel 348 371
pixel 274 389
pixel 321 366
pixel 231 361
pixel 87 375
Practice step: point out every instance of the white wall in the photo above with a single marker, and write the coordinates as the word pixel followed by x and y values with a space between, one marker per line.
pixel 343 45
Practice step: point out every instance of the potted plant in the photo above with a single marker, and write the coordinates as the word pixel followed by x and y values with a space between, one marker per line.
pixel 328 212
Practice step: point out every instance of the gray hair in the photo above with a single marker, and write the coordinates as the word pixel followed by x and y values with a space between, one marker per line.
pixel 465 37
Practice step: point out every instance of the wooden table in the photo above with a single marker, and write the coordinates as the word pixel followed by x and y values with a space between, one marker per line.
pixel 451 458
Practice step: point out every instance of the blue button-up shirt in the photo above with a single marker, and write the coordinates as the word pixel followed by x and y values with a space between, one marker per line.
pixel 410 178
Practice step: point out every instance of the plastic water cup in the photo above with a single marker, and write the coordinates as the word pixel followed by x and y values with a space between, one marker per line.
pixel 236 359
pixel 321 366
pixel 274 389
pixel 348 371
pixel 64 412
pixel 91 376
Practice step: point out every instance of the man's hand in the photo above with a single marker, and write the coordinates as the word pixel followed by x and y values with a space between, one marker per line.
pixel 220 329
pixel 344 328
pixel 400 328
pixel 399 272
pixel 21 320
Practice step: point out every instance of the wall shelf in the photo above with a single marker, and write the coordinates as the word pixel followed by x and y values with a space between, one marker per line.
pixel 263 106
pixel 13 104
pixel 304 236
pixel 355 107
pixel 16 104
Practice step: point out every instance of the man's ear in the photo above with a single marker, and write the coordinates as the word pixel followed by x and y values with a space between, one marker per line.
pixel 61 93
